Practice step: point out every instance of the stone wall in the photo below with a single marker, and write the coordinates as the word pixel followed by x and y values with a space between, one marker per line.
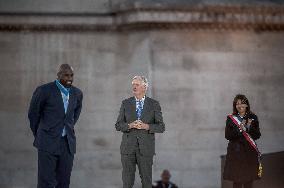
pixel 197 59
pixel 63 6
pixel 106 6
pixel 194 75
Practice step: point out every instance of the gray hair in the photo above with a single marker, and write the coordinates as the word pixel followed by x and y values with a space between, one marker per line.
pixel 143 79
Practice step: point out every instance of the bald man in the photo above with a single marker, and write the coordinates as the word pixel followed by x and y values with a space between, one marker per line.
pixel 54 109
pixel 165 181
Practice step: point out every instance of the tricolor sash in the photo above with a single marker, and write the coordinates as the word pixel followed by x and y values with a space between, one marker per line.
pixel 237 122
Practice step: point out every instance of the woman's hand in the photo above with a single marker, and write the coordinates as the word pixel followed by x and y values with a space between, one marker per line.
pixel 249 122
pixel 243 125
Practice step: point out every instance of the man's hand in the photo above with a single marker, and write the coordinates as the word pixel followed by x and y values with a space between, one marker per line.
pixel 133 125
pixel 141 125
pixel 138 124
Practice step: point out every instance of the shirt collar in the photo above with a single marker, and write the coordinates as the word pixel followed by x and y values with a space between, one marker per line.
pixel 142 100
pixel 241 116
pixel 62 88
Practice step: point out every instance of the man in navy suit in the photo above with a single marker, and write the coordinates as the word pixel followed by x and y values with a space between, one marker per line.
pixel 54 109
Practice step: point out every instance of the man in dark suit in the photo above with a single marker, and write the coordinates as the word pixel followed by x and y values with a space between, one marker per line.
pixel 140 117
pixel 54 109
pixel 165 181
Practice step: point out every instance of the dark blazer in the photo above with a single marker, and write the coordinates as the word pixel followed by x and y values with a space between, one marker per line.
pixel 168 185
pixel 241 160
pixel 151 115
pixel 47 117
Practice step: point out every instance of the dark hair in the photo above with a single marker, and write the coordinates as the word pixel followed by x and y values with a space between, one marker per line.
pixel 244 100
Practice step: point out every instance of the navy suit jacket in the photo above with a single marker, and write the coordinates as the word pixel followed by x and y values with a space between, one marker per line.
pixel 47 117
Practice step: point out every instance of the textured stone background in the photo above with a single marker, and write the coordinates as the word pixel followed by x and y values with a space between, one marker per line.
pixel 104 6
pixel 194 75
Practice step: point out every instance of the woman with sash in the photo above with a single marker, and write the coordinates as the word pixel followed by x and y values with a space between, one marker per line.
pixel 242 164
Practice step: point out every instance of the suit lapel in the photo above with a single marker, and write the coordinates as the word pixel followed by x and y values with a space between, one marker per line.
pixel 132 106
pixel 145 107
pixel 70 101
pixel 59 98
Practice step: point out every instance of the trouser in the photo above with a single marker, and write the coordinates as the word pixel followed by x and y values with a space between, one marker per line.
pixel 54 171
pixel 144 164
